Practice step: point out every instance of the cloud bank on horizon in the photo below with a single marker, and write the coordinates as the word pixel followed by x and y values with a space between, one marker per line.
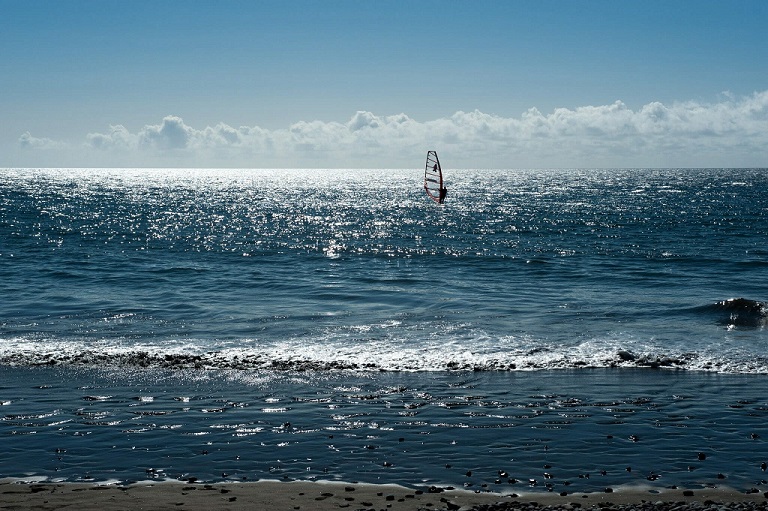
pixel 730 133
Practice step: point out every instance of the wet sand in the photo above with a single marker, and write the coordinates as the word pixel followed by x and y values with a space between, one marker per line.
pixel 272 495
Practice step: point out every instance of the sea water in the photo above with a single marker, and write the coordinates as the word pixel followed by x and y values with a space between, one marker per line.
pixel 557 329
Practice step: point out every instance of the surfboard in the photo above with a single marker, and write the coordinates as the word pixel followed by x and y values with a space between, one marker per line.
pixel 433 178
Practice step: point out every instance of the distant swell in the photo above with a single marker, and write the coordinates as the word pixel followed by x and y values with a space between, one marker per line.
pixel 738 312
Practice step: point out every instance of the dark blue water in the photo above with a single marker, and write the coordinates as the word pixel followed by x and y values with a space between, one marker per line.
pixel 520 269
pixel 154 298
pixel 512 431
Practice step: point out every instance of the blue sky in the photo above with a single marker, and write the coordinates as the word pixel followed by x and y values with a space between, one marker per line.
pixel 377 83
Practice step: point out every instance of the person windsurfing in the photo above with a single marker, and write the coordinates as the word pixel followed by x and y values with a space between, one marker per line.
pixel 433 179
pixel 443 190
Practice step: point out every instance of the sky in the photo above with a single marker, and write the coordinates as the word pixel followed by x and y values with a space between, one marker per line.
pixel 377 83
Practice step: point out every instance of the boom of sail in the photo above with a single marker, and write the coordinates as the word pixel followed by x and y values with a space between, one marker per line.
pixel 433 178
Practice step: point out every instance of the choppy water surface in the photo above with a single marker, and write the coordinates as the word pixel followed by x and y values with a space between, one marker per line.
pixel 546 324
pixel 355 268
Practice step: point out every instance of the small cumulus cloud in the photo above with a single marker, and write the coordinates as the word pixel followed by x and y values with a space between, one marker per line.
pixel 171 134
pixel 27 141
pixel 731 132
pixel 116 137
pixel 362 120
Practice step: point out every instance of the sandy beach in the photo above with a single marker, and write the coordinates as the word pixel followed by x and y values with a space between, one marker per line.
pixel 272 495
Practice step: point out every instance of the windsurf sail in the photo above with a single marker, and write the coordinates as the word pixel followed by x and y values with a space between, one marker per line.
pixel 433 178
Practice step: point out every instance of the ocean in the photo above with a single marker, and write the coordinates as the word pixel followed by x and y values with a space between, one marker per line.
pixel 553 330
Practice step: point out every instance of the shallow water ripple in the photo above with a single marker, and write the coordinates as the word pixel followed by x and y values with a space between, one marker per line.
pixel 603 428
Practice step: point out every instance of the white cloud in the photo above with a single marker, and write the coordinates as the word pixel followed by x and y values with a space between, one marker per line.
pixel 732 132
pixel 118 137
pixel 171 134
pixel 27 141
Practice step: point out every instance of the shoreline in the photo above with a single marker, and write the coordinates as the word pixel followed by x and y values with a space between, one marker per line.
pixel 329 496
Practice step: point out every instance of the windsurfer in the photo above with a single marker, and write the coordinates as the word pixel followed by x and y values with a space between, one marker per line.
pixel 433 179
